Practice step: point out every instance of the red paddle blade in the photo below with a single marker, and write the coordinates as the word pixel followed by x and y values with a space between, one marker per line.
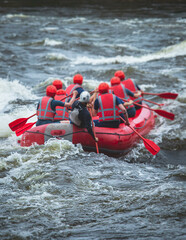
pixel 165 114
pixel 151 146
pixel 18 123
pixel 24 128
pixel 168 95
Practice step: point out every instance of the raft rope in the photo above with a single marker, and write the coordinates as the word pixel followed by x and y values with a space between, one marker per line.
pixel 61 136
pixel 49 135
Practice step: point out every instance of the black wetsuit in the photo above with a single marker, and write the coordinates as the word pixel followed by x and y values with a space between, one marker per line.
pixel 84 117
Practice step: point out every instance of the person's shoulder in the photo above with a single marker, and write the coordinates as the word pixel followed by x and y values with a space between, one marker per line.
pixel 118 100
pixel 80 89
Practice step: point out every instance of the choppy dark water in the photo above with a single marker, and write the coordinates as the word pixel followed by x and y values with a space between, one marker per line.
pixel 58 191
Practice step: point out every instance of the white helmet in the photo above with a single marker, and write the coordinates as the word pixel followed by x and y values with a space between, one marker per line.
pixel 84 97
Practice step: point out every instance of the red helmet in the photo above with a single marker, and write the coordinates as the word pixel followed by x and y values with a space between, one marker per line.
pixel 103 87
pixel 58 83
pixel 78 79
pixel 61 92
pixel 120 74
pixel 51 91
pixel 115 81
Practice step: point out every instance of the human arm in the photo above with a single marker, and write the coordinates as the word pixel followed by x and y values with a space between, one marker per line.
pixel 128 103
pixel 55 103
pixel 120 104
pixel 137 94
pixel 124 111
pixel 95 108
pixel 75 93
pixel 93 97
pixel 131 94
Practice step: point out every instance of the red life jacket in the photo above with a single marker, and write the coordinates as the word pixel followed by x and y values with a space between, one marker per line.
pixel 69 90
pixel 108 110
pixel 61 112
pixel 120 91
pixel 130 84
pixel 45 111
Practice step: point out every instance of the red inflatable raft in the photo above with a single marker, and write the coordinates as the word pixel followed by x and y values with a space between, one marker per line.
pixel 111 140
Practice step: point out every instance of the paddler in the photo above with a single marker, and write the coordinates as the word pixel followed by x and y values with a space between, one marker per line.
pixel 107 106
pixel 58 84
pixel 61 112
pixel 130 84
pixel 46 108
pixel 74 90
pixel 80 116
pixel 123 93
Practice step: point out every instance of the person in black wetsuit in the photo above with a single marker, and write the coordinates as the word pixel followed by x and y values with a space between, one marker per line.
pixel 80 116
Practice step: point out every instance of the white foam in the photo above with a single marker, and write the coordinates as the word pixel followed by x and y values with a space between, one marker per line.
pixel 75 20
pixel 49 29
pixel 56 56
pixel 11 91
pixel 168 52
pixel 51 42
pixel 16 15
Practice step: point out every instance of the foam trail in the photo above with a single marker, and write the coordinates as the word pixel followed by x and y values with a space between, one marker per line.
pixel 12 90
pixel 168 52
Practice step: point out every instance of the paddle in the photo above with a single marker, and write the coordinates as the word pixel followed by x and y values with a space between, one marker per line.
pixel 150 145
pixel 66 97
pixel 166 95
pixel 24 128
pixel 159 104
pixel 97 149
pixel 161 112
pixel 18 123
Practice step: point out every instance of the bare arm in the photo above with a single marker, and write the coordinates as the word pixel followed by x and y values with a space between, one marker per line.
pixel 93 97
pixel 137 94
pixel 94 112
pixel 128 103
pixel 72 99
pixel 124 111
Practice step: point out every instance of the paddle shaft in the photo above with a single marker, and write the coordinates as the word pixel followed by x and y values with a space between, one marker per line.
pixel 72 94
pixel 97 149
pixel 160 112
pixel 159 104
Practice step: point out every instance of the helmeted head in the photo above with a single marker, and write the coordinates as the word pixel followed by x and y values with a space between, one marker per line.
pixel 103 87
pixel 115 81
pixel 84 97
pixel 61 92
pixel 78 79
pixel 51 91
pixel 120 74
pixel 58 83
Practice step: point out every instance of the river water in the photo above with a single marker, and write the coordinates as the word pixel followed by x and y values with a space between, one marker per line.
pixel 58 191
